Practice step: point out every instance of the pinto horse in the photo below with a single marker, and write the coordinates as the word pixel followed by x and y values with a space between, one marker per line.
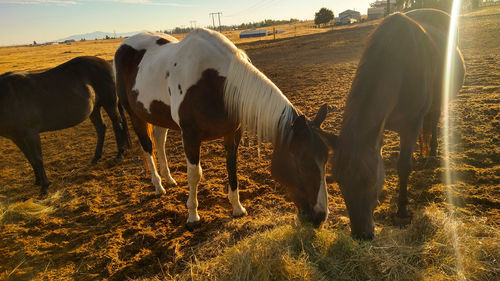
pixel 56 99
pixel 397 86
pixel 206 87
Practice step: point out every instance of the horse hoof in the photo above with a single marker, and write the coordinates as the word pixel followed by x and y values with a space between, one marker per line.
pixel 119 157
pixel 240 213
pixel 403 220
pixel 160 193
pixel 42 195
pixel 171 182
pixel 191 226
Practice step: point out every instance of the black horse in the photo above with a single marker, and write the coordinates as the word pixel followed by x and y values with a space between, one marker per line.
pixel 398 87
pixel 56 99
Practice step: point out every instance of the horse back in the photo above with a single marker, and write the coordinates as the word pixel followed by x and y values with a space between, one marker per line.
pixel 60 97
pixel 394 77
pixel 437 24
pixel 141 77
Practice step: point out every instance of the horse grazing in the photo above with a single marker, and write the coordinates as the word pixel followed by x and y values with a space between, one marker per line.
pixel 56 99
pixel 206 87
pixel 397 86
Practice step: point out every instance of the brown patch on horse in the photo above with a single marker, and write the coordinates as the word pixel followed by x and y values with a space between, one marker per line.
pixel 159 114
pixel 127 60
pixel 162 41
pixel 212 121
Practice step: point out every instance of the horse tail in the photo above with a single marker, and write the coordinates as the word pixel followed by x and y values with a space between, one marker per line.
pixel 149 129
pixel 126 134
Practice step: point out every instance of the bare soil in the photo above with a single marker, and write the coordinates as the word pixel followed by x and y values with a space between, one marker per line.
pixel 108 224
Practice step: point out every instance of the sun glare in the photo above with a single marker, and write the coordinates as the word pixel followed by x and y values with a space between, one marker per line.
pixel 450 177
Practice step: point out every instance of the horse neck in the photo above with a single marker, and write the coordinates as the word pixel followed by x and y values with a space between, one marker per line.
pixel 363 124
pixel 255 102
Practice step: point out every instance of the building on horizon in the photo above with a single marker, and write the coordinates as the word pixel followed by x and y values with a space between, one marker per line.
pixel 378 9
pixel 348 17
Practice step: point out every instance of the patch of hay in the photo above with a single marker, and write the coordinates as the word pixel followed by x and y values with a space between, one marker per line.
pixel 424 250
pixel 23 211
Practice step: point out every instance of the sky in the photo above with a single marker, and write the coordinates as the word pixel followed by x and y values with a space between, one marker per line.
pixel 25 21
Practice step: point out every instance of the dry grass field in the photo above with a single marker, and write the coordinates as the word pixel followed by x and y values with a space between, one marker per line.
pixel 37 58
pixel 104 222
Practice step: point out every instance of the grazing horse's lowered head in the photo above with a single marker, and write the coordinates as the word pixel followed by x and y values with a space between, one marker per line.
pixel 299 164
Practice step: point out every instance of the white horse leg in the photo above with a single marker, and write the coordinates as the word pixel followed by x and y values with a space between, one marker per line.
pixel 160 135
pixel 231 143
pixel 155 178
pixel 194 173
pixel 234 198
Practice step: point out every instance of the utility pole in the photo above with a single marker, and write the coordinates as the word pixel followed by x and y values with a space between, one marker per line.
pixel 213 19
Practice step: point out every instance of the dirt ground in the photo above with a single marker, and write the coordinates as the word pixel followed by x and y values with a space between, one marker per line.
pixel 104 221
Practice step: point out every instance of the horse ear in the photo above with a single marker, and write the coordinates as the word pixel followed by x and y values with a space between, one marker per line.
pixel 299 126
pixel 320 116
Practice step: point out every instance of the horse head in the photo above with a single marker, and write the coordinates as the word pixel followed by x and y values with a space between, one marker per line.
pixel 299 164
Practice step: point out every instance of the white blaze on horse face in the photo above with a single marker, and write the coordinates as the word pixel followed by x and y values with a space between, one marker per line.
pixel 194 173
pixel 234 198
pixel 322 198
pixel 155 178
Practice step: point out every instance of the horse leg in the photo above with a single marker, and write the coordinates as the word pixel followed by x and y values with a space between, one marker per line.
pixel 160 135
pixel 407 144
pixel 434 142
pixel 141 129
pixel 125 133
pixel 231 143
pixel 23 146
pixel 100 129
pixel 30 145
pixel 118 129
pixel 192 145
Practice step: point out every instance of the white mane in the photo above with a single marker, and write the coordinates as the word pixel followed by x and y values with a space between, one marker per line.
pixel 249 96
pixel 252 99
pixel 220 41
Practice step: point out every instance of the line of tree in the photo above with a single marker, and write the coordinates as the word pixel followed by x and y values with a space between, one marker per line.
pixel 249 25
pixel 323 16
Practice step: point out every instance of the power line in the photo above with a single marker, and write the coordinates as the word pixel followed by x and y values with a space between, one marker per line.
pixel 257 7
pixel 213 19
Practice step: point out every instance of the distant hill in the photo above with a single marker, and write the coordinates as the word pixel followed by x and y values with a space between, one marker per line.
pixel 96 35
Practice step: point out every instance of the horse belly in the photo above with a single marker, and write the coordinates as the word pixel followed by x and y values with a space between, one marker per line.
pixel 157 113
pixel 70 109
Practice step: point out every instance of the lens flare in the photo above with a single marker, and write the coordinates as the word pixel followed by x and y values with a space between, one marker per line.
pixel 448 86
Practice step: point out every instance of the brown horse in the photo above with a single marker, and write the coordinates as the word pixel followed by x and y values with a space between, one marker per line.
pixel 56 99
pixel 396 87
pixel 206 87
